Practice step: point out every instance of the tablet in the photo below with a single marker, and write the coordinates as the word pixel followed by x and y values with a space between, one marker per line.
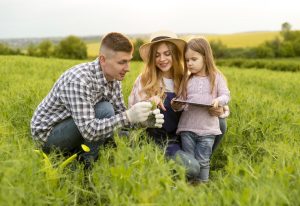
pixel 193 103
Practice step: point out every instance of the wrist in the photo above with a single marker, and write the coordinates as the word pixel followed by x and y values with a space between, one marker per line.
pixel 128 116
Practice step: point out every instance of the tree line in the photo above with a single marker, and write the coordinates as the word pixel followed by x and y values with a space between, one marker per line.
pixel 71 47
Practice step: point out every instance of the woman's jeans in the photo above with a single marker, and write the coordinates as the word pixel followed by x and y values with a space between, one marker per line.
pixel 223 127
pixel 66 137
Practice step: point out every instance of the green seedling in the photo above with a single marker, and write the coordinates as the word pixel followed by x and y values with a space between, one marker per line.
pixel 154 106
pixel 52 172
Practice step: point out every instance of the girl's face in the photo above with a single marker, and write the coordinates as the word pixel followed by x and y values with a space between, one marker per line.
pixel 163 59
pixel 195 62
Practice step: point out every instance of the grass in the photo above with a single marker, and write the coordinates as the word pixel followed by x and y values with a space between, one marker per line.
pixel 257 164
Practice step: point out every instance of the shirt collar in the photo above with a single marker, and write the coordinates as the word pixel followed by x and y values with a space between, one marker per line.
pixel 100 75
pixel 99 72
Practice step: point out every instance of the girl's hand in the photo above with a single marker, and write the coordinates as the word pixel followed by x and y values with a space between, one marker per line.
pixel 216 111
pixel 176 106
pixel 158 101
pixel 215 103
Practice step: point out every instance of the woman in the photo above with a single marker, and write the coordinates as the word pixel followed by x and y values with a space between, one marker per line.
pixel 159 82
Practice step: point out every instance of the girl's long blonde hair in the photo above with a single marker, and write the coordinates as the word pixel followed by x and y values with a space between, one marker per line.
pixel 151 77
pixel 202 46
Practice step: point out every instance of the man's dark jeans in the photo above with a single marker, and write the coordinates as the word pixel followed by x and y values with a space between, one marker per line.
pixel 66 137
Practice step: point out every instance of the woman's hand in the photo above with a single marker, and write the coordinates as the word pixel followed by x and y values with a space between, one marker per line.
pixel 158 102
pixel 226 112
pixel 177 106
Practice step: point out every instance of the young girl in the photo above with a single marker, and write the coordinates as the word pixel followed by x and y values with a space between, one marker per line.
pixel 203 83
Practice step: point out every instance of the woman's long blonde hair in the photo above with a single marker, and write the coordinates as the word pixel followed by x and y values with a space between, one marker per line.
pixel 151 77
pixel 202 46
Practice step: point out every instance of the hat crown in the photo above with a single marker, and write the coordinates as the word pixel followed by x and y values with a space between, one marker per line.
pixel 159 35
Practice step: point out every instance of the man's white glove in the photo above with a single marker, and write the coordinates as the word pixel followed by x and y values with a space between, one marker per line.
pixel 156 119
pixel 139 112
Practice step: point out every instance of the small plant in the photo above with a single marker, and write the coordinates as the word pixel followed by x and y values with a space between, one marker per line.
pixel 51 172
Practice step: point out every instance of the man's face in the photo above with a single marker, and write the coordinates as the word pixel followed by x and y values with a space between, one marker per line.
pixel 115 65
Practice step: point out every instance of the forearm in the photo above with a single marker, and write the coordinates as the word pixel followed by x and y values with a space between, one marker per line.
pixel 95 129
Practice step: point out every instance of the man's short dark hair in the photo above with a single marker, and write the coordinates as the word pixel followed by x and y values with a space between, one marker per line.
pixel 116 42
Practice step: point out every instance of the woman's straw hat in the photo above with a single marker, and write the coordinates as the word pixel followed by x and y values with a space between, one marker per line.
pixel 161 36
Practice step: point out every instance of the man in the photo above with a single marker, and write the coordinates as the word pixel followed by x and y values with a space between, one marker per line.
pixel 86 103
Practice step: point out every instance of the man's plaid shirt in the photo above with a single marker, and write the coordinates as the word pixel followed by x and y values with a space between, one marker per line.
pixel 75 94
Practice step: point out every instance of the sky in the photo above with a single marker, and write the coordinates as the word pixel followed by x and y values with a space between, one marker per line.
pixel 59 18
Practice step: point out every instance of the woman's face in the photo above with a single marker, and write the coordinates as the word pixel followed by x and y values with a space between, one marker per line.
pixel 163 59
pixel 195 62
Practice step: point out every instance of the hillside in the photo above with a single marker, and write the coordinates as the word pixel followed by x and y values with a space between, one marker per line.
pixel 248 39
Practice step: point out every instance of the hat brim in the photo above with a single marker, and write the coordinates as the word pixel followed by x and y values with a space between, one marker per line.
pixel 145 48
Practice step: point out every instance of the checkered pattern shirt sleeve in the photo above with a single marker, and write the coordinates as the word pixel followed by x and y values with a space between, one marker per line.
pixel 120 104
pixel 76 97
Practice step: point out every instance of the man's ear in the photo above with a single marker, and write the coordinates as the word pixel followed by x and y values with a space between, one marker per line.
pixel 102 59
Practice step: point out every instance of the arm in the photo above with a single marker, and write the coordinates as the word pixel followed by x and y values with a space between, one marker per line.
pixel 119 100
pixel 77 99
pixel 135 95
pixel 223 98
pixel 223 93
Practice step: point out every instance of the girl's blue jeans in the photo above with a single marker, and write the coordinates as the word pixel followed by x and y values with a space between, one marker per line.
pixel 199 147
pixel 189 161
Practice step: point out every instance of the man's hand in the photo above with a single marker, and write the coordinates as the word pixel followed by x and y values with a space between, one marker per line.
pixel 159 118
pixel 139 112
pixel 156 119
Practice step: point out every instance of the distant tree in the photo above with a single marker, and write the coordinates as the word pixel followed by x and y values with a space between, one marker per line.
pixel 45 48
pixel 32 50
pixel 219 49
pixel 5 49
pixel 286 31
pixel 136 54
pixel 274 45
pixel 264 51
pixel 296 45
pixel 286 49
pixel 71 47
pixel 286 27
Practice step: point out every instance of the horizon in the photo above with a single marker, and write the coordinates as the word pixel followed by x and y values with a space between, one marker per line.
pixel 137 34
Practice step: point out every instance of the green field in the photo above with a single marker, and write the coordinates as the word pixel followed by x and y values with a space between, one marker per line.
pixel 250 39
pixel 258 163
